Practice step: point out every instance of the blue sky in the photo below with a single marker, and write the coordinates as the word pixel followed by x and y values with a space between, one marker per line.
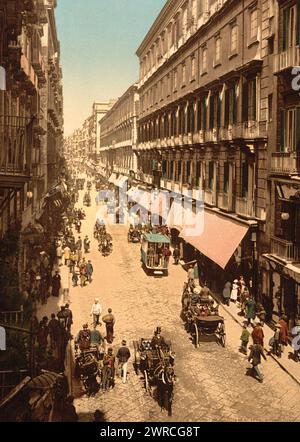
pixel 98 43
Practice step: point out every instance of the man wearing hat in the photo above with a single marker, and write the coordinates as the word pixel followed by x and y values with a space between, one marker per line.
pixel 83 338
pixel 123 355
pixel 158 340
pixel 109 321
pixel 276 340
pixel 96 312
pixel 258 334
pixel 108 370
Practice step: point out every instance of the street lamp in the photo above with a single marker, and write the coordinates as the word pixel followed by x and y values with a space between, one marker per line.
pixel 254 264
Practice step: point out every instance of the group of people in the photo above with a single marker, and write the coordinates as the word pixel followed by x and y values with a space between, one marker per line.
pixel 53 335
pixel 158 255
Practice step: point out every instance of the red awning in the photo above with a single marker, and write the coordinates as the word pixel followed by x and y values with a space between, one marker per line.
pixel 220 237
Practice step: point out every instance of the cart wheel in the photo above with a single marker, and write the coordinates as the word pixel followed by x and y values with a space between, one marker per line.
pixel 196 335
pixel 222 335
pixel 147 383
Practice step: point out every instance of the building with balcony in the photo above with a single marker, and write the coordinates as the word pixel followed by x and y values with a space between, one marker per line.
pixel 118 139
pixel 206 80
pixel 281 266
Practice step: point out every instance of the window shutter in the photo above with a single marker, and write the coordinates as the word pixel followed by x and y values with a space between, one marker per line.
pixel 282 131
pixel 218 111
pixel 298 23
pixel 285 31
pixel 245 101
pixel 227 107
pixel 298 129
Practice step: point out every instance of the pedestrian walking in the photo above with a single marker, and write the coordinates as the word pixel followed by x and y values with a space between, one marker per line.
pixel 261 313
pixel 69 316
pixel 176 255
pixel 166 252
pixel 86 244
pixel 108 370
pixel 79 243
pixel 89 271
pixel 67 253
pixel 83 275
pixel 284 331
pixel 123 356
pixel 255 359
pixel 53 327
pixel 59 253
pixel 62 316
pixel 109 321
pixel 43 332
pixel 234 291
pixel 258 334
pixel 275 341
pixel 227 293
pixel 75 279
pixel 96 312
pixel 56 284
pixel 244 338
pixel 250 309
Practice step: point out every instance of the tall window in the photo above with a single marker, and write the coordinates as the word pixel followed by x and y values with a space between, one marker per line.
pixel 244 179
pixel 204 61
pixel 175 79
pixel 230 106
pixel 184 22
pixel 198 173
pixel 290 129
pixel 191 118
pixel 201 113
pixel 211 175
pixel 183 73
pixel 253 24
pixel 214 111
pixel 193 66
pixel 290 31
pixel 226 177
pixel 249 100
pixel 234 39
pixel 217 50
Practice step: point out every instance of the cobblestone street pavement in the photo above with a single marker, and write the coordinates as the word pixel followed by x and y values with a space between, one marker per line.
pixel 212 382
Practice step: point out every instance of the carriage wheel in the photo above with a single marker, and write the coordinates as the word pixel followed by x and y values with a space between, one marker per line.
pixel 222 335
pixel 196 335
pixel 147 383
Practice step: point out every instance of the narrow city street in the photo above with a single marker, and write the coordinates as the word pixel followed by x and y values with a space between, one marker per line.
pixel 212 382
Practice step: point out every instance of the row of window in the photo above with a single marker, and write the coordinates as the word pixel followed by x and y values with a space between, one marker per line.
pixel 211 111
pixel 205 175
pixel 160 48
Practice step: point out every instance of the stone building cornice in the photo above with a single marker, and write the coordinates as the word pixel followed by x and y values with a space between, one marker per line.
pixel 164 13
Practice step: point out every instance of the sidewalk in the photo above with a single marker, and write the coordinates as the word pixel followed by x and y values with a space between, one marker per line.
pixel 285 362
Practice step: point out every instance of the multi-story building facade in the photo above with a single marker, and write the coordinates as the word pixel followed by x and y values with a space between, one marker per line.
pixel 206 77
pixel 281 266
pixel 118 137
pixel 31 122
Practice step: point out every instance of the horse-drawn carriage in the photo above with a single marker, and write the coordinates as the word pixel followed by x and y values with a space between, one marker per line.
pixel 88 364
pixel 201 316
pixel 134 235
pixel 156 365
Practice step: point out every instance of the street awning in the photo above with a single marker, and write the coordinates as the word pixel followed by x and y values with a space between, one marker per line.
pixel 220 237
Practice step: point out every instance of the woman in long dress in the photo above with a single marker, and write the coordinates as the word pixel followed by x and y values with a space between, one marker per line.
pixel 234 291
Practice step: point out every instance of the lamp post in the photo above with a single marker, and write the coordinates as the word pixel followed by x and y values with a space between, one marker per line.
pixel 254 264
